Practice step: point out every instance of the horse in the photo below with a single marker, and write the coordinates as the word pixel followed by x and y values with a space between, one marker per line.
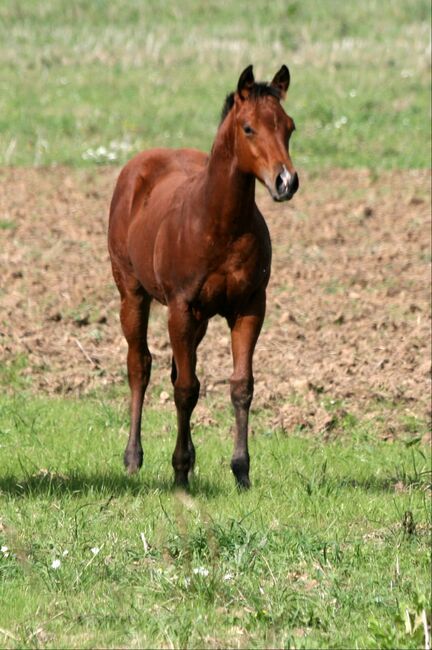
pixel 184 230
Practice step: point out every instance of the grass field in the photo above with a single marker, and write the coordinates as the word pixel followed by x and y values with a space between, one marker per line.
pixel 94 82
pixel 331 547
pixel 320 553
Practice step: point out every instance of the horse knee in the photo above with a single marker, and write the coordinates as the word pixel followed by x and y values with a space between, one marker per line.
pixel 139 366
pixel 146 362
pixel 242 392
pixel 186 397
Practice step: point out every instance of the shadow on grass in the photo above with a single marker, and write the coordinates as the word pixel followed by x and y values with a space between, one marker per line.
pixel 374 484
pixel 77 484
pixel 371 484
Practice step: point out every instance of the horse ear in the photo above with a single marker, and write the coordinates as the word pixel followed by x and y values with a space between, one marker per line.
pixel 281 80
pixel 245 82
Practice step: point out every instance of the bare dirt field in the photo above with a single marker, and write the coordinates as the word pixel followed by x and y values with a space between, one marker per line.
pixel 348 317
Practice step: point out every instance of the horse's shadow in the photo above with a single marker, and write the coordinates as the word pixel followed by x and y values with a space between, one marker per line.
pixel 100 485
pixel 110 484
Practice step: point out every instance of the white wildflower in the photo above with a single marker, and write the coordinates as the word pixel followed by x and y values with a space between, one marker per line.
pixel 341 121
pixel 228 576
pixel 65 552
pixel 5 551
pixel 145 543
pixel 201 571
pixel 95 550
pixel 55 564
pixel 107 154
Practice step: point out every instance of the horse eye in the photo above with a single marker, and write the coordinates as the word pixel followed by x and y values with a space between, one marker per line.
pixel 248 129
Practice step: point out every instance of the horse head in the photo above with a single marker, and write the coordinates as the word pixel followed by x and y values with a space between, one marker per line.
pixel 262 132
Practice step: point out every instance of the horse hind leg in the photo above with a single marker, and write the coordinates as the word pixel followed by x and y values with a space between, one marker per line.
pixel 134 314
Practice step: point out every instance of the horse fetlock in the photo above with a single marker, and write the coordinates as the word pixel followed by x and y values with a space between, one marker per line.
pixel 192 458
pixel 133 459
pixel 184 461
pixel 183 465
pixel 181 479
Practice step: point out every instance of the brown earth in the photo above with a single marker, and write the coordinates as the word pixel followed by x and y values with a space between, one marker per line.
pixel 348 319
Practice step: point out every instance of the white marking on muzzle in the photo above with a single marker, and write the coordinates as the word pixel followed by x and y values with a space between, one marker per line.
pixel 286 177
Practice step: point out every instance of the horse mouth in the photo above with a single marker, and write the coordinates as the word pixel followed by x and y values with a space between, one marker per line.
pixel 280 198
pixel 285 195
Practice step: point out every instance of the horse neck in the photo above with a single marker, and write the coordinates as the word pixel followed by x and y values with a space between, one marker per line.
pixel 229 193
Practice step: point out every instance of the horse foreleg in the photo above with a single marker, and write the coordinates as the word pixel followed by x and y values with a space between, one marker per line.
pixel 202 328
pixel 134 315
pixel 245 329
pixel 185 334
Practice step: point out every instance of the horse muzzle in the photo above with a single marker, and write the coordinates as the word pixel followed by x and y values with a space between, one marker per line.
pixel 284 185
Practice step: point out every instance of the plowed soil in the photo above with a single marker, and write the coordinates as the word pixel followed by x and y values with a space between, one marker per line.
pixel 348 317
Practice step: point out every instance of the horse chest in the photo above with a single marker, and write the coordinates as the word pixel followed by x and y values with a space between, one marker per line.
pixel 231 286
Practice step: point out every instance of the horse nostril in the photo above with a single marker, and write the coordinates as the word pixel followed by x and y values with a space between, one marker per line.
pixel 280 184
pixel 294 184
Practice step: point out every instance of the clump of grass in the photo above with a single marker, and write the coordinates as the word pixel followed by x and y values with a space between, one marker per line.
pixel 7 224
pixel 12 375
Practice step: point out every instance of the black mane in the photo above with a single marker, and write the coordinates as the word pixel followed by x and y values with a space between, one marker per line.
pixel 260 89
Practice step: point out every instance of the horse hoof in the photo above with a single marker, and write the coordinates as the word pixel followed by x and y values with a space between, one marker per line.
pixel 181 480
pixel 243 483
pixel 240 469
pixel 133 461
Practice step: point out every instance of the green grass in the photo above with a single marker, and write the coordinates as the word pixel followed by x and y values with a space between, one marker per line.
pixel 93 82
pixel 316 555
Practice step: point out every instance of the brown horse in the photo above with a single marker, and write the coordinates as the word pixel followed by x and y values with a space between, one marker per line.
pixel 185 230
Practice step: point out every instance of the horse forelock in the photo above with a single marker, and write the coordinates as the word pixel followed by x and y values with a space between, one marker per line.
pixel 259 89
